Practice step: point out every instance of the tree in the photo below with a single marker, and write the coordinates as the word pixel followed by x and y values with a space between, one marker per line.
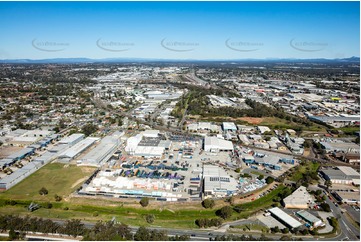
pixel 225 212
pixel 144 234
pixel 89 128
pixel 74 227
pixel 179 238
pixel 276 229
pixel 269 180
pixel 285 238
pixel 260 177
pixel 13 235
pixel 144 201
pixel 43 191
pixel 149 218
pixel 208 203
pixel 328 184
pixel 58 198
pixel 231 200
pixel 325 207
pixel 48 205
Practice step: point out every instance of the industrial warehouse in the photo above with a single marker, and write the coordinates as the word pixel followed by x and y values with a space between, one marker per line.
pixel 284 218
pixel 102 152
pixel 65 150
pixel 217 182
pixel 299 199
pixel 341 175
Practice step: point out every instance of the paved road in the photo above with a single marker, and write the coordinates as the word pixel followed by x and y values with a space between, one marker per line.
pixel 346 227
pixel 210 233
pixel 323 161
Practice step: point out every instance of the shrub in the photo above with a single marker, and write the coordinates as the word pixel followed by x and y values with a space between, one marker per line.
pixel 144 201
pixel 49 205
pixel 205 223
pixel 43 191
pixel 208 203
pixel 269 180
pixel 149 218
pixel 58 198
pixel 225 212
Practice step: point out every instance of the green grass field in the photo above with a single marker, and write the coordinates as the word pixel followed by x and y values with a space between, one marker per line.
pixel 176 218
pixel 249 227
pixel 63 180
pixel 303 169
pixel 261 203
pixel 277 123
pixel 350 130
pixel 56 178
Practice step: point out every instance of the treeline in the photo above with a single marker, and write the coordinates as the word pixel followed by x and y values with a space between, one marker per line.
pixel 241 238
pixel 205 222
pixel 197 103
pixel 104 231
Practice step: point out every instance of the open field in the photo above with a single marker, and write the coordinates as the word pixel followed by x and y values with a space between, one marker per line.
pixel 350 130
pixel 247 209
pixel 5 151
pixel 250 120
pixel 248 227
pixel 130 212
pixel 303 169
pixel 56 178
pixel 277 123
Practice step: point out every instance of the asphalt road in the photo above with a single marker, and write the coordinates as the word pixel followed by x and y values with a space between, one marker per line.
pixel 346 227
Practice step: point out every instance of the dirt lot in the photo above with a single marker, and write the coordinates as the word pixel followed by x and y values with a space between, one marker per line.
pixel 8 150
pixel 251 120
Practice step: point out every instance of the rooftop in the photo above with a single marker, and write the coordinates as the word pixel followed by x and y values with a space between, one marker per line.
pixel 285 217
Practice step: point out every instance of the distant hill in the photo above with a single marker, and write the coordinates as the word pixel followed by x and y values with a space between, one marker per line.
pixel 352 59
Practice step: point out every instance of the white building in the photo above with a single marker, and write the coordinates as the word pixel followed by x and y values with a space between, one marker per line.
pixel 72 139
pixel 214 144
pixel 229 126
pixel 298 199
pixel 76 149
pixel 102 152
pixel 217 182
pixel 263 129
pixel 284 218
pixel 150 133
pixel 132 143
pixel 149 151
pixel 311 219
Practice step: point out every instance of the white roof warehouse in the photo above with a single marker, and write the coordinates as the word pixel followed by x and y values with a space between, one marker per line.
pixel 284 218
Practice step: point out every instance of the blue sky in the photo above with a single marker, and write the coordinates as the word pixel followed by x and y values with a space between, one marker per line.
pixel 189 30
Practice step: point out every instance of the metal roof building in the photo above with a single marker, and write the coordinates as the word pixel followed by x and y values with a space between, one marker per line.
pixel 79 147
pixel 72 139
pixel 217 182
pixel 298 199
pixel 45 158
pixel 341 175
pixel 149 151
pixel 21 154
pixel 284 218
pixel 348 197
pixel 313 220
pixel 340 147
pixel 5 162
pixel 19 175
pixel 229 126
pixel 102 152
pixel 214 144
